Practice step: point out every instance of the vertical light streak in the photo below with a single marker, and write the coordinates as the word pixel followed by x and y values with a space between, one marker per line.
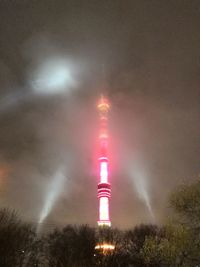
pixel 141 186
pixel 53 191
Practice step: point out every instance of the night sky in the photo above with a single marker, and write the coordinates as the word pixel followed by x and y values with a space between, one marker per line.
pixel 146 56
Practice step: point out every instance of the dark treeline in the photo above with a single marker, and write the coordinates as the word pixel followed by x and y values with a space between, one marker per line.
pixel 174 244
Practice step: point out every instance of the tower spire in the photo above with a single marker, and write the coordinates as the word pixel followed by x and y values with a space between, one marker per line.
pixel 104 187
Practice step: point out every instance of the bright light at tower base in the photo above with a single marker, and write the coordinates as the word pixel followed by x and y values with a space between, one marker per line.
pixel 104 223
pixel 105 248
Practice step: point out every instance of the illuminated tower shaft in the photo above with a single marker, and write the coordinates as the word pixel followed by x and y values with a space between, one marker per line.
pixel 104 188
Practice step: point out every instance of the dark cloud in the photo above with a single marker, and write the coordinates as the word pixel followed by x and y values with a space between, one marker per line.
pixel 150 52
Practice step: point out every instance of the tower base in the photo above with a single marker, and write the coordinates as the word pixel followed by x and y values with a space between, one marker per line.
pixel 104 223
pixel 105 245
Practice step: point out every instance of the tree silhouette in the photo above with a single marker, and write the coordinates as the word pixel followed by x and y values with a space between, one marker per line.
pixel 72 246
pixel 16 239
pixel 134 240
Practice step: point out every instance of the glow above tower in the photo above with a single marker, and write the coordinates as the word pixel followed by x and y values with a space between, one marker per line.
pixel 104 188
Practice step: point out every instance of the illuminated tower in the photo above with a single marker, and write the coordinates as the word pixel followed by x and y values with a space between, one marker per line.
pixel 104 188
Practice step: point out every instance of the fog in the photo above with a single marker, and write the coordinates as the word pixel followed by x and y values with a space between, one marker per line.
pixel 51 76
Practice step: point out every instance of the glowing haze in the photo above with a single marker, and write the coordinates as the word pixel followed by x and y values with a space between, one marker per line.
pixel 53 76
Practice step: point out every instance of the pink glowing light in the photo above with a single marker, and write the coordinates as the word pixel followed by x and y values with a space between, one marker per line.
pixel 104 209
pixel 104 188
pixel 104 172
